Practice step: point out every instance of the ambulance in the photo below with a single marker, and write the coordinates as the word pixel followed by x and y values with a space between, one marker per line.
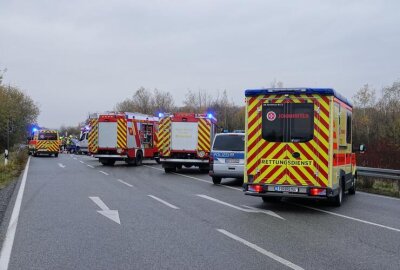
pixel 184 139
pixel 124 136
pixel 299 144
pixel 44 142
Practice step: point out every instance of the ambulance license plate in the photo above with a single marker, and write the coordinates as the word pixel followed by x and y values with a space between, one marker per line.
pixel 231 160
pixel 286 189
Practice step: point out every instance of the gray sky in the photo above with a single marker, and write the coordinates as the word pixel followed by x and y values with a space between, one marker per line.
pixel 75 57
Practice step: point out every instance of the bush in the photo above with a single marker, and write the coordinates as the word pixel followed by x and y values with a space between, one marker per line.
pixel 16 164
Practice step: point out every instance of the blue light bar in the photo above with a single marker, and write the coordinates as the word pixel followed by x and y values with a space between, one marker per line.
pixel 294 91
pixel 209 115
pixel 161 115
pixel 34 129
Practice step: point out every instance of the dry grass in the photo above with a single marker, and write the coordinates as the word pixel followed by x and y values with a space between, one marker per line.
pixel 379 186
pixel 14 168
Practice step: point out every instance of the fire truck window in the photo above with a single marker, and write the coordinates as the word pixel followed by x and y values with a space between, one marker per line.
pixel 348 135
pixel 301 122
pixel 272 125
pixel 48 136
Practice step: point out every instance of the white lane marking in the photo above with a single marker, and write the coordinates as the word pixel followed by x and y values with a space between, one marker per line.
pixel 104 173
pixel 377 195
pixel 90 166
pixel 261 250
pixel 81 162
pixel 61 165
pixel 163 202
pixel 105 211
pixel 347 217
pixel 191 177
pixel 12 226
pixel 123 182
pixel 247 209
pixel 75 158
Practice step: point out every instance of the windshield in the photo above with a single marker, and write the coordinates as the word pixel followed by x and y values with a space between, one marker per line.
pixel 289 122
pixel 229 143
pixel 47 136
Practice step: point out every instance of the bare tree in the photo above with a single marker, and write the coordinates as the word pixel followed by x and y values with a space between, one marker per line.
pixel 162 101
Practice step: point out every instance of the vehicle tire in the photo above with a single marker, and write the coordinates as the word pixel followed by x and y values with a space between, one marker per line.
pixel 216 180
pixel 169 169
pixel 271 199
pixel 337 200
pixel 108 162
pixel 157 159
pixel 352 190
pixel 139 158
pixel 56 155
pixel 35 154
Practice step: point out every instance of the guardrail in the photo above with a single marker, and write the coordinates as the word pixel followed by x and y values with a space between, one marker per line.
pixel 381 173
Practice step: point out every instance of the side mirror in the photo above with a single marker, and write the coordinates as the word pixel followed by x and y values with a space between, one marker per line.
pixel 363 148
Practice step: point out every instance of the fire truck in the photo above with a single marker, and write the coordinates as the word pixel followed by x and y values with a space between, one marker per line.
pixel 184 139
pixel 129 137
pixel 299 144
pixel 44 141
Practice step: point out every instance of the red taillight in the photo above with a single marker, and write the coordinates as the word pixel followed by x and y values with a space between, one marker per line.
pixel 317 191
pixel 256 188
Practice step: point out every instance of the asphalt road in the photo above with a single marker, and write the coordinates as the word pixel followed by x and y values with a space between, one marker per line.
pixel 183 221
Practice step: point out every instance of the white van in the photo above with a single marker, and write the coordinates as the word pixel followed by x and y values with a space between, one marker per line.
pixel 227 156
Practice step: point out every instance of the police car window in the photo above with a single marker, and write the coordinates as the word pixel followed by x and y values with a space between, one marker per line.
pixel 229 143
pixel 289 122
pixel 272 125
pixel 48 136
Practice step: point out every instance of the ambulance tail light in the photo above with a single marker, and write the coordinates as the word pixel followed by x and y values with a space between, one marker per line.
pixel 317 191
pixel 256 188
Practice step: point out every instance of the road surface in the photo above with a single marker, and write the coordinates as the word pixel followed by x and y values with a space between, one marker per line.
pixel 77 214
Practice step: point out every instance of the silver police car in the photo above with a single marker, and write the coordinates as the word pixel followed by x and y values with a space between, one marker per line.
pixel 227 156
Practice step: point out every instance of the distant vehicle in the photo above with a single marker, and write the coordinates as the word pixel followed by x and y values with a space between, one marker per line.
pixel 299 144
pixel 73 147
pixel 125 136
pixel 44 142
pixel 83 145
pixel 227 156
pixel 184 139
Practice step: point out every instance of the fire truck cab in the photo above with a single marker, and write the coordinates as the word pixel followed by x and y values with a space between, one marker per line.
pixel 184 139
pixel 124 136
pixel 299 144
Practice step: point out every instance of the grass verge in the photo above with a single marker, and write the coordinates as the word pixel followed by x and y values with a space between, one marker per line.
pixel 16 164
pixel 381 186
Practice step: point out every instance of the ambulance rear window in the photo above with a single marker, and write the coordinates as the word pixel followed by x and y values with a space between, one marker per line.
pixel 48 136
pixel 289 122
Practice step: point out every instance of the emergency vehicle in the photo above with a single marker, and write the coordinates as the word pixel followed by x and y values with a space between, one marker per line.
pixel 184 139
pixel 299 144
pixel 130 137
pixel 44 141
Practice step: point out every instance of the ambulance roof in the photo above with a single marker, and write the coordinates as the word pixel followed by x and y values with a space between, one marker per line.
pixel 301 90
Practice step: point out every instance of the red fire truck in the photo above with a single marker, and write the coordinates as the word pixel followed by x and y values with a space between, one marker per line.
pixel 129 137
pixel 184 139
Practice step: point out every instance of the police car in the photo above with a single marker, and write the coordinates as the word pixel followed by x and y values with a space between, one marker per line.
pixel 227 156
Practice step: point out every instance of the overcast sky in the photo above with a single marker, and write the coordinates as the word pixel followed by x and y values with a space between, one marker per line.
pixel 75 57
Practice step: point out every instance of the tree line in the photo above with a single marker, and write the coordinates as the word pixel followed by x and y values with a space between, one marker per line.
pixel 230 116
pixel 376 122
pixel 17 114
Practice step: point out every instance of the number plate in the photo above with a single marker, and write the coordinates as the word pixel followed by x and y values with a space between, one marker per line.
pixel 231 160
pixel 286 189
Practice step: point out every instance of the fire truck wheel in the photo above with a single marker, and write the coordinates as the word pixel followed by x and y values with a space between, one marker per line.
pixel 353 188
pixel 139 159
pixel 216 180
pixel 271 199
pixel 337 200
pixel 170 169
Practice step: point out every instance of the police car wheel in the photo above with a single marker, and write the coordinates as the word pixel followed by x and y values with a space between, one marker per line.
pixel 216 180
